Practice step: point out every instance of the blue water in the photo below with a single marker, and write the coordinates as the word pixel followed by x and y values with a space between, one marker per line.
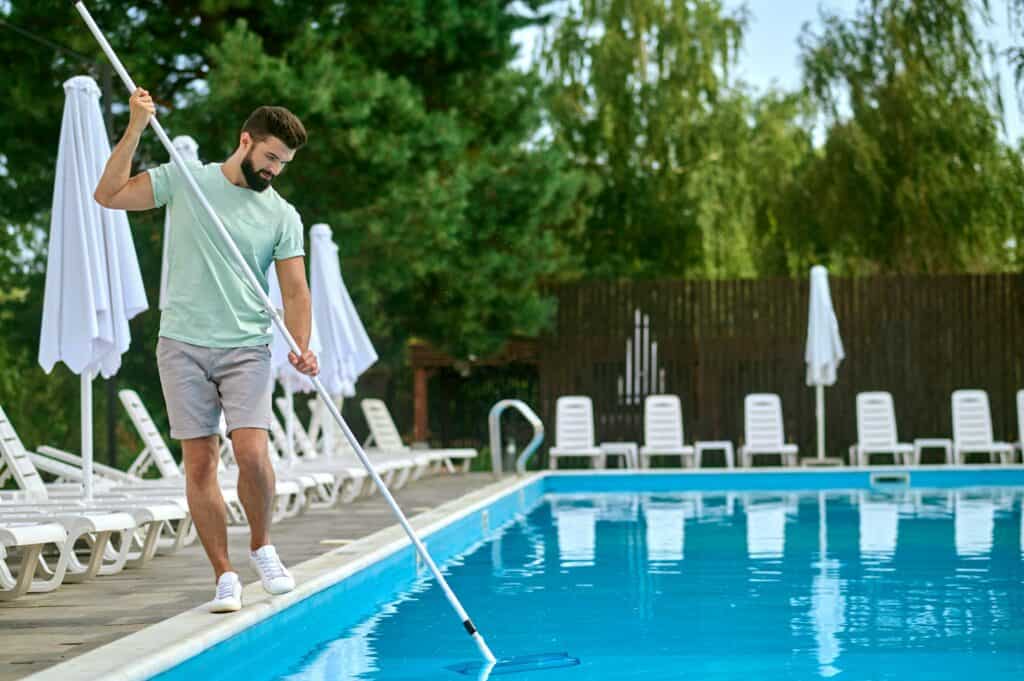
pixel 915 584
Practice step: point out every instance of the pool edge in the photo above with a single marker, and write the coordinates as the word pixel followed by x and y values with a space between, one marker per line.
pixel 159 647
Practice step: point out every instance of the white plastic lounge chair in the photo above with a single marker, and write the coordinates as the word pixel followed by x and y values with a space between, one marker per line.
pixel 763 430
pixel 972 428
pixel 876 430
pixel 290 500
pixel 663 430
pixel 384 435
pixel 28 538
pixel 335 481
pixel 574 431
pixel 96 520
pixel 395 469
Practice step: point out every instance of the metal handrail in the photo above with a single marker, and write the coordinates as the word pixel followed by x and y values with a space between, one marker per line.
pixel 494 426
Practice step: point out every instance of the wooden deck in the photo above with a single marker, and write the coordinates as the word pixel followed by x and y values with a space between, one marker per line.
pixel 40 630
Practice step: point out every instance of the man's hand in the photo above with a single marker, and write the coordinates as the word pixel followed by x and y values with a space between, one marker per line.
pixel 141 107
pixel 306 364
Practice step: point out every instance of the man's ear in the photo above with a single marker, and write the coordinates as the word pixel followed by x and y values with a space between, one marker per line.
pixel 245 140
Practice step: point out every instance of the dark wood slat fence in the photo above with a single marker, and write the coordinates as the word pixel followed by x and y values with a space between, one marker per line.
pixel 919 337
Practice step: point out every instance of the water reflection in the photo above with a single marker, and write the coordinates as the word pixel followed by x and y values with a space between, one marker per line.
pixel 879 527
pixel 766 526
pixel 974 524
pixel 576 524
pixel 665 525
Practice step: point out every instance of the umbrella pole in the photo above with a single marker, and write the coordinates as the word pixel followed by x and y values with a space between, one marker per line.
pixel 86 386
pixel 819 399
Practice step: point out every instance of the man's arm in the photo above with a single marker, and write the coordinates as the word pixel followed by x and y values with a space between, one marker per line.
pixel 116 188
pixel 298 313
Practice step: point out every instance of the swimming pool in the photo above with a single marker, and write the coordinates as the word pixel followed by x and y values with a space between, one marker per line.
pixel 715 576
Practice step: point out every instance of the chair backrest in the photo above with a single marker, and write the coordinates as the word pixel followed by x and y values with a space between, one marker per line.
pixel 18 463
pixel 1020 418
pixel 762 420
pixel 972 419
pixel 382 426
pixel 574 422
pixel 305 444
pixel 876 420
pixel 663 421
pixel 150 434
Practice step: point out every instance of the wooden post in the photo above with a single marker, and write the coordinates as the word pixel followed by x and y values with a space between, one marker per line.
pixel 420 411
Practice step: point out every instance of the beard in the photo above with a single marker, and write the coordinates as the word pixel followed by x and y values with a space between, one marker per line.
pixel 253 178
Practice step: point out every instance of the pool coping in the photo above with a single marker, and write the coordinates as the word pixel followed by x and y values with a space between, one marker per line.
pixel 162 646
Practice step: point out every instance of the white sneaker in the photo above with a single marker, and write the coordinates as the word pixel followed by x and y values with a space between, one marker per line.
pixel 275 576
pixel 229 594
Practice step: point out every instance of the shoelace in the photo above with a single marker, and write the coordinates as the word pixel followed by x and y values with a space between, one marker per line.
pixel 270 564
pixel 225 589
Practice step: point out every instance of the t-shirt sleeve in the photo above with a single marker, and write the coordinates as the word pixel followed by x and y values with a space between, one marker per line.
pixel 289 241
pixel 165 181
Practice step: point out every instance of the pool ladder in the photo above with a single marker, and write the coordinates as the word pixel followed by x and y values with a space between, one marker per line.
pixel 494 426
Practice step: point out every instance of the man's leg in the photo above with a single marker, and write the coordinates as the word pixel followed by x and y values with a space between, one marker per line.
pixel 256 482
pixel 205 501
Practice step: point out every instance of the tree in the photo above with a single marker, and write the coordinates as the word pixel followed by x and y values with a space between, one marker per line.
pixel 640 92
pixel 913 175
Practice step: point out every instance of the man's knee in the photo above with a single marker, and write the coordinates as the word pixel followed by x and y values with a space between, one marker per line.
pixel 249 446
pixel 201 457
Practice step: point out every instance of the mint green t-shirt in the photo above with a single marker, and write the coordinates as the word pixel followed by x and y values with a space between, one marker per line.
pixel 208 302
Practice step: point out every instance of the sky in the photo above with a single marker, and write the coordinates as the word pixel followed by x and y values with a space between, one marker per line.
pixel 771 54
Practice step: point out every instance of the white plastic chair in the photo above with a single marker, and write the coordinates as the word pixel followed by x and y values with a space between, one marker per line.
pixel 663 430
pixel 384 435
pixel 29 538
pixel 574 431
pixel 763 430
pixel 876 430
pixel 972 427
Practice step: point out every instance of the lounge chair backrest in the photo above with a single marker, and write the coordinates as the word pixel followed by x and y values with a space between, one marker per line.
pixel 972 419
pixel 1020 418
pixel 301 436
pixel 762 418
pixel 277 443
pixel 663 422
pixel 151 437
pixel 876 420
pixel 18 463
pixel 382 426
pixel 574 422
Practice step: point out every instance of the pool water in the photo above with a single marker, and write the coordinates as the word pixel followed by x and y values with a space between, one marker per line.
pixel 913 584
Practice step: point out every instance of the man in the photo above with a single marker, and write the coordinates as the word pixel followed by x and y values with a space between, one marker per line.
pixel 213 351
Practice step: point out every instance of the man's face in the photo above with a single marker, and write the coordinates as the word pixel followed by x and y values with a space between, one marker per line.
pixel 264 161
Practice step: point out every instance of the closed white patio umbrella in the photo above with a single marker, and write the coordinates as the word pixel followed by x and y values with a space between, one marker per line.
pixel 346 348
pixel 824 346
pixel 93 282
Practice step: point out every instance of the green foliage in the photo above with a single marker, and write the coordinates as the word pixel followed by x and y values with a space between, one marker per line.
pixel 640 94
pixel 913 175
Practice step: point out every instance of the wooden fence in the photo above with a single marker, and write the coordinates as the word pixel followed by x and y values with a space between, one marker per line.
pixel 713 342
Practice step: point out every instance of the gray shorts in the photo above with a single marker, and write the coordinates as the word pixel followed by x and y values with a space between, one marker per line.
pixel 198 382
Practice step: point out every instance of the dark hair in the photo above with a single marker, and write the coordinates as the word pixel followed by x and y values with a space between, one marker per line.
pixel 276 121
